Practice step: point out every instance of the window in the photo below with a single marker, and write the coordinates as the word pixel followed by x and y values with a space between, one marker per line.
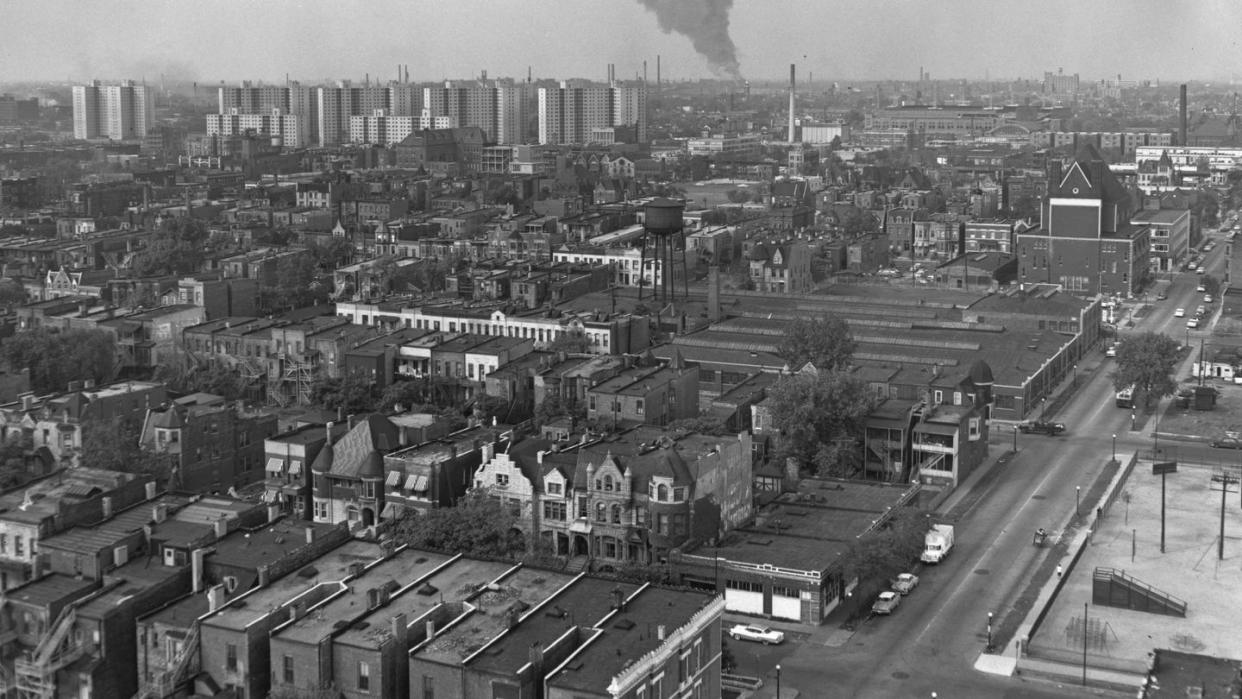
pixel 321 509
pixel 4 544
pixel 502 480
pixel 679 494
pixel 554 488
pixel 288 669
pixel 938 397
pixel 429 687
pixel 364 676
pixel 662 524
pixel 974 428
pixel 608 483
pixel 17 546
pixel 554 511
pixel 638 405
pixel 600 513
pixel 230 657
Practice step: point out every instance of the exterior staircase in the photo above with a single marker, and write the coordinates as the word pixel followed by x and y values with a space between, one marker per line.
pixel 1113 588
pixel 578 564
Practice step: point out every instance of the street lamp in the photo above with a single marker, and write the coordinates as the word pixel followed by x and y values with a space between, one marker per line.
pixel 989 632
pixel 1077 500
pixel 1114 446
pixel 778 681
pixel 1015 439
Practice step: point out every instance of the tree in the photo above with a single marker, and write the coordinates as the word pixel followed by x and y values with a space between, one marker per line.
pixel 1147 361
pixel 113 444
pixel 54 359
pixel 11 294
pixel 178 246
pixel 703 424
pixel 1211 285
pixel 352 393
pixel 477 525
pixel 213 377
pixel 573 342
pixel 825 342
pixel 878 556
pixel 737 196
pixel 820 417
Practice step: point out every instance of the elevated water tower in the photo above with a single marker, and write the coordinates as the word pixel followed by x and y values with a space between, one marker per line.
pixel 664 242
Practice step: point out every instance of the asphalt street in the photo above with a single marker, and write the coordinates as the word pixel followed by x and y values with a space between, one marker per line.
pixel 932 640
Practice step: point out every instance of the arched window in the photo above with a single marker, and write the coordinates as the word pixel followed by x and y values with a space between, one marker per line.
pixel 601 513
pixel 608 483
pixel 662 493
pixel 616 514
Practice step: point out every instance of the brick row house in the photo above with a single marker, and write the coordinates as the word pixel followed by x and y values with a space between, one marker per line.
pixel 627 501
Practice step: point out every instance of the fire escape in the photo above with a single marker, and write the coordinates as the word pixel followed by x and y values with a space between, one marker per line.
pixel 35 674
pixel 183 666
pixel 291 382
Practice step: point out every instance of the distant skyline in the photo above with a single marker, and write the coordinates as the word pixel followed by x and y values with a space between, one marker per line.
pixel 313 40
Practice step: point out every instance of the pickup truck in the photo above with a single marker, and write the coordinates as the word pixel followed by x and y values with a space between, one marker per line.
pixel 1041 427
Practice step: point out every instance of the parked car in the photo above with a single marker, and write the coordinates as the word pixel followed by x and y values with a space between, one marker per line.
pixel 1201 270
pixel 1111 351
pixel 1227 443
pixel 1207 298
pixel 886 602
pixel 1192 323
pixel 754 632
pixel 1179 313
pixel 1041 427
pixel 905 583
pixel 1201 288
pixel 1201 310
pixel 1162 296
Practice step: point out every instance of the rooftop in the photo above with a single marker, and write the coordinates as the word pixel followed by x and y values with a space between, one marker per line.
pixel 582 601
pixel 456 581
pixel 630 634
pixel 523 588
pixel 351 601
pixel 330 567
pixel 269 543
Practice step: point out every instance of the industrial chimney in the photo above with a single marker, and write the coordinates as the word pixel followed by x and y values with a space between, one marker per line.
pixel 1182 114
pixel 792 90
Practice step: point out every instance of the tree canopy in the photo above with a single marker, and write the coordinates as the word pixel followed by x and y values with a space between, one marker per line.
pixel 112 444
pixel 56 358
pixel 1146 361
pixel 825 342
pixel 478 525
pixel 178 246
pixel 879 556
pixel 351 393
pixel 820 417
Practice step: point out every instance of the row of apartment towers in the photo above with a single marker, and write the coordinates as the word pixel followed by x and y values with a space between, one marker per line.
pixel 508 112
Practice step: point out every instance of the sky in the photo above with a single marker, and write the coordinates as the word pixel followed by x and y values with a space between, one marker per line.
pixel 314 40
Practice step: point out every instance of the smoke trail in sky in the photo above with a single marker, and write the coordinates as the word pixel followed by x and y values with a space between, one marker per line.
pixel 706 24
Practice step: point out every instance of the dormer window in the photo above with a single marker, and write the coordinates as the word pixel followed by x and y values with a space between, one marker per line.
pixel 662 493
pixel 608 484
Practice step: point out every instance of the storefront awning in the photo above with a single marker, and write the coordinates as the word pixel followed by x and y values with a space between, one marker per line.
pixel 295 468
pixel 394 477
pixel 275 465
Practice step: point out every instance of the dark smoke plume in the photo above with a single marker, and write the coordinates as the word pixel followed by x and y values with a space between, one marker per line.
pixel 706 24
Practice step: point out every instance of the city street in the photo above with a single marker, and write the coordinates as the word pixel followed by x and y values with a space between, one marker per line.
pixel 931 642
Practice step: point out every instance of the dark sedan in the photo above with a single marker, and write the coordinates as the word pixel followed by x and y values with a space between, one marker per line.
pixel 1041 427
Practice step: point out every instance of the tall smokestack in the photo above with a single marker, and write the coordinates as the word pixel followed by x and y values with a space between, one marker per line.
pixel 1182 114
pixel 793 86
pixel 644 72
pixel 657 70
